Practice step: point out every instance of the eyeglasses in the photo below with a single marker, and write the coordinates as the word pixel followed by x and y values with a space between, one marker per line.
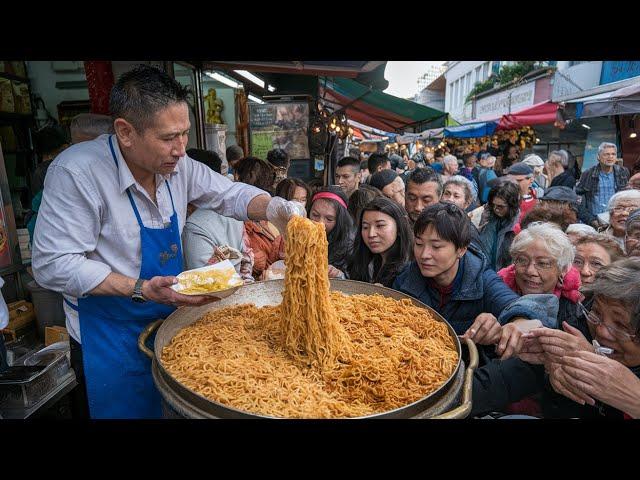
pixel 593 319
pixel 619 210
pixel 634 236
pixel 524 262
pixel 579 263
pixel 497 206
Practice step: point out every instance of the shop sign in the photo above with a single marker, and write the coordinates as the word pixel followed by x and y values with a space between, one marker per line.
pixel 505 102
pixel 616 71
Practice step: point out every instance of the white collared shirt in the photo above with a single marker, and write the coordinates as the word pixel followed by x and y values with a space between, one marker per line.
pixel 86 227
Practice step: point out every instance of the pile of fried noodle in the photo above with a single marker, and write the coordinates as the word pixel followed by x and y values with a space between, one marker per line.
pixel 319 354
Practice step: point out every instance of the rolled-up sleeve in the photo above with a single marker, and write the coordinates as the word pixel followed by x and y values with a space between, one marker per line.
pixel 209 189
pixel 67 228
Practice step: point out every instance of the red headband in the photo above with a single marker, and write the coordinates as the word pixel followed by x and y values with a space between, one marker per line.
pixel 330 195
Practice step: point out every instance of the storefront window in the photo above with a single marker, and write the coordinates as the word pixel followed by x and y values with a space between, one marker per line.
pixel 185 76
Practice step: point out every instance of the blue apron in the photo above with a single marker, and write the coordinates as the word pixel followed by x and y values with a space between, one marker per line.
pixel 118 376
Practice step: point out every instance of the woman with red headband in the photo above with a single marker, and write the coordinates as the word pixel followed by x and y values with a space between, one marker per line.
pixel 329 206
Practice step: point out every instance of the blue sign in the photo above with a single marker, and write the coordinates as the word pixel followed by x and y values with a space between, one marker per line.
pixel 616 71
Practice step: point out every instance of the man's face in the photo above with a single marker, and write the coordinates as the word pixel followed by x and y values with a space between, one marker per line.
pixel 471 162
pixel 162 144
pixel 395 191
pixel 607 157
pixel 419 196
pixel 385 166
pixel 524 183
pixel 513 153
pixel 451 168
pixel 348 179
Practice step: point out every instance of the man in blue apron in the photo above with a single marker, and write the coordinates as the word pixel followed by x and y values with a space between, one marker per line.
pixel 108 235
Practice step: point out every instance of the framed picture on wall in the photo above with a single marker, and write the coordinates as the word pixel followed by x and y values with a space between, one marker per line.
pixel 279 125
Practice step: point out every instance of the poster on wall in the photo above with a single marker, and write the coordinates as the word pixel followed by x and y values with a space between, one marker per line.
pixel 279 125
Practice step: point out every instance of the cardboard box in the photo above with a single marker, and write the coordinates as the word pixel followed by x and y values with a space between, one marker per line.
pixel 21 313
pixel 7 103
pixel 55 334
pixel 21 320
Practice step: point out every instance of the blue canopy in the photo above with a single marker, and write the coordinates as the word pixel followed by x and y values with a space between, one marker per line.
pixel 471 130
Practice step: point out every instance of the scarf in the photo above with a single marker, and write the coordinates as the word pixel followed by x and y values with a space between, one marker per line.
pixel 568 288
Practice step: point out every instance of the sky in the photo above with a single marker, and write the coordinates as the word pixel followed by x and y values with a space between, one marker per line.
pixel 403 76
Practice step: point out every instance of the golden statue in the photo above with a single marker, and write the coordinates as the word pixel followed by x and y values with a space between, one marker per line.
pixel 214 107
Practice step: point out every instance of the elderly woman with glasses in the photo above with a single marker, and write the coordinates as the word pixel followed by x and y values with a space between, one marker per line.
pixel 611 329
pixel 620 206
pixel 632 234
pixel 593 252
pixel 543 263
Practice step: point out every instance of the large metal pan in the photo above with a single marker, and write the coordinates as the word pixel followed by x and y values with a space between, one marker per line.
pixel 451 400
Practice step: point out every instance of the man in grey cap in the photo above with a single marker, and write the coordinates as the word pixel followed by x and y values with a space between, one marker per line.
pixel 522 174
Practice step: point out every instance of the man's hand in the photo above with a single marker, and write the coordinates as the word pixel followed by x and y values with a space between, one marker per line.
pixel 559 383
pixel 557 343
pixel 590 376
pixel 159 290
pixel 513 336
pixel 280 211
pixel 532 352
pixel 485 330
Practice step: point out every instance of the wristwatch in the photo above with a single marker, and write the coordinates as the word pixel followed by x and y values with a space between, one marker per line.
pixel 137 292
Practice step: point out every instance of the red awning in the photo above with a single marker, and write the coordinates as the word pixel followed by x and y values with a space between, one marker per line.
pixel 540 114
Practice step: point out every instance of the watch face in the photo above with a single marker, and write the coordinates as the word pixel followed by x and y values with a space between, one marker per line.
pixel 138 299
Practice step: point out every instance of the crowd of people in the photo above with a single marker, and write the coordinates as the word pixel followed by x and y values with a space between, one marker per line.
pixel 541 271
pixel 523 261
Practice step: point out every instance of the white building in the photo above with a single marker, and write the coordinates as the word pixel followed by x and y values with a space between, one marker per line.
pixel 460 78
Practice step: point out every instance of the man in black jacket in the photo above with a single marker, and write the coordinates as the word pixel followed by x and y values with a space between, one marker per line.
pixel 557 167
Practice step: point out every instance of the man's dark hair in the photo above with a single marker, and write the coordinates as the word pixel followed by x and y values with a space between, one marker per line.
pixel 50 140
pixel 375 160
pixel 278 157
pixel 257 172
pixel 424 175
pixel 354 152
pixel 234 153
pixel 450 222
pixel 349 162
pixel 142 92
pixel 209 158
